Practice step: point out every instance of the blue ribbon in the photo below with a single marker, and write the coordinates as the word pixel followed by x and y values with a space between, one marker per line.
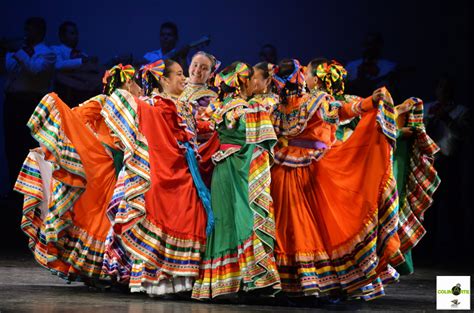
pixel 203 192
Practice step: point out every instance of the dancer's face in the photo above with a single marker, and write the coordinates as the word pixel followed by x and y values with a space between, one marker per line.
pixel 246 87
pixel 311 81
pixel 70 37
pixel 200 69
pixel 174 83
pixel 259 84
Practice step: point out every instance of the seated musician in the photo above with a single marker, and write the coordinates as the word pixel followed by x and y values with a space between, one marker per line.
pixel 77 74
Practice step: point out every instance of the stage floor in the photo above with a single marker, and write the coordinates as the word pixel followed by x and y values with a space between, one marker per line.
pixel 27 287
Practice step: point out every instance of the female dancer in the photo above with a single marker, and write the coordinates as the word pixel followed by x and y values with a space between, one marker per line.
pixel 197 92
pixel 334 208
pixel 69 181
pixel 263 87
pixel 239 252
pixel 160 214
pixel 416 176
pixel 413 168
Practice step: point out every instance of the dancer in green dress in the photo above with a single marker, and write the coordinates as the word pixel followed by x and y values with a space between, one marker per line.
pixel 239 252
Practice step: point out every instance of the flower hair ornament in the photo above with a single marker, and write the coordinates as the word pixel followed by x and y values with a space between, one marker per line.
pixel 126 73
pixel 155 69
pixel 332 74
pixel 296 77
pixel 231 79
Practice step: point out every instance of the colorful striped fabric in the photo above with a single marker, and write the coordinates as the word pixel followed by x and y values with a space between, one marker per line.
pixel 329 111
pixel 143 252
pixel 259 127
pixel 195 92
pixel 30 183
pixel 259 130
pixel 311 274
pixel 292 123
pixel 251 265
pixel 422 181
pixel 268 101
pixel 361 266
pixel 226 106
pixel 232 78
pixel 57 243
pixel 187 122
pixel 386 117
pixel 120 115
pixel 296 77
pixel 117 261
pixel 45 126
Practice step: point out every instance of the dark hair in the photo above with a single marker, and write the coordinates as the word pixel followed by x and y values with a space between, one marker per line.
pixel 314 63
pixel 225 89
pixel 113 82
pixel 210 57
pixel 285 68
pixel 170 25
pixel 153 82
pixel 63 28
pixel 38 23
pixel 263 66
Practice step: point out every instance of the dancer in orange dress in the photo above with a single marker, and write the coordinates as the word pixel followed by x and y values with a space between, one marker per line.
pixel 69 181
pixel 335 204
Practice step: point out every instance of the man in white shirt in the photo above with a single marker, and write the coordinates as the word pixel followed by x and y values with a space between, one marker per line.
pixel 370 72
pixel 78 76
pixel 168 41
pixel 29 73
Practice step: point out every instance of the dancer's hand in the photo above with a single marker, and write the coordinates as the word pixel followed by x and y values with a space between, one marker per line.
pixel 377 96
pixel 407 132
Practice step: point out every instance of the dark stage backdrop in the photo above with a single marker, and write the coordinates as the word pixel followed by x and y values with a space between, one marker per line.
pixel 432 36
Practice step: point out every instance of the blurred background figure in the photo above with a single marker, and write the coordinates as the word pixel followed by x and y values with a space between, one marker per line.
pixel 449 124
pixel 268 54
pixel 29 72
pixel 168 40
pixel 169 37
pixel 370 72
pixel 78 76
